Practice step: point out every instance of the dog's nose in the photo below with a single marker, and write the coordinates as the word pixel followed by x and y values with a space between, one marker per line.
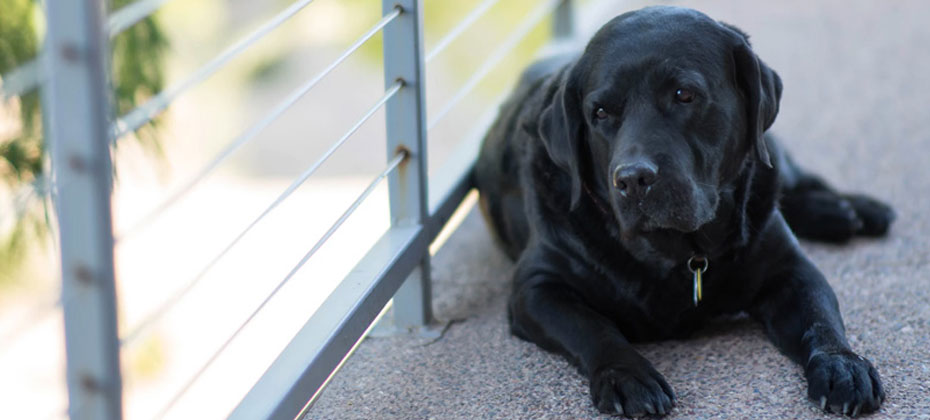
pixel 634 179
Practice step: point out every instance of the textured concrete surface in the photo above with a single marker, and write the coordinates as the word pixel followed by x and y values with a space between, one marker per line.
pixel 856 77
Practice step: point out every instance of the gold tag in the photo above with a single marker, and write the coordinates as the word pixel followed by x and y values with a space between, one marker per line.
pixel 697 271
pixel 697 287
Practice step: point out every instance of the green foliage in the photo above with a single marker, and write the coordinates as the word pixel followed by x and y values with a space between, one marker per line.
pixel 267 69
pixel 17 37
pixel 29 224
pixel 22 155
pixel 137 55
pixel 467 53
pixel 136 69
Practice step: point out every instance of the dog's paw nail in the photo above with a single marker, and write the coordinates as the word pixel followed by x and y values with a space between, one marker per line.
pixel 849 381
pixel 636 392
pixel 858 224
pixel 650 408
pixel 618 408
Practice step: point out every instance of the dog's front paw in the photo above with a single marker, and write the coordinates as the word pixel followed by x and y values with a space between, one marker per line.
pixel 844 383
pixel 633 392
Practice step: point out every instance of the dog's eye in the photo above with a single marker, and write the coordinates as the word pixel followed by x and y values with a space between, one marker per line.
pixel 684 96
pixel 600 114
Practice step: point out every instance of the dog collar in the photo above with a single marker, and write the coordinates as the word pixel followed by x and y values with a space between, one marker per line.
pixel 597 201
pixel 697 265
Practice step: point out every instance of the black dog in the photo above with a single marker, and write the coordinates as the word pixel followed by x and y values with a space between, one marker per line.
pixel 616 178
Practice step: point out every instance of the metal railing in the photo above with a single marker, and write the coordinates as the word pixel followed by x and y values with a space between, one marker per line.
pixel 71 74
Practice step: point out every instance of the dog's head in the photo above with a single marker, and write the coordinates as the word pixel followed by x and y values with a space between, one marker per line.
pixel 660 114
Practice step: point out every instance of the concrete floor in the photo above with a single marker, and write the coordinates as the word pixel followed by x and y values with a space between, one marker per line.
pixel 857 81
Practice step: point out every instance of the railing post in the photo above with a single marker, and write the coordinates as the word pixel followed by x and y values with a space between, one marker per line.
pixel 406 130
pixel 563 24
pixel 76 108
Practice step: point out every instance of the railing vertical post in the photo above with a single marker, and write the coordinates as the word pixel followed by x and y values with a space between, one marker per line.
pixel 406 130
pixel 75 104
pixel 563 26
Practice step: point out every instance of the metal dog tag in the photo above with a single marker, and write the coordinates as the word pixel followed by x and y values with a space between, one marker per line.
pixel 697 271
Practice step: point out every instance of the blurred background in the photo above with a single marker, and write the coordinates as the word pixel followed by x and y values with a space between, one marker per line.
pixel 157 257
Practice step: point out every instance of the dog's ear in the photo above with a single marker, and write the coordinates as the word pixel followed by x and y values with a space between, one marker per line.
pixel 561 130
pixel 762 89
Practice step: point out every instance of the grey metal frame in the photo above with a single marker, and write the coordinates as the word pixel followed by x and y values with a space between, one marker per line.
pixel 406 130
pixel 81 130
pixel 76 107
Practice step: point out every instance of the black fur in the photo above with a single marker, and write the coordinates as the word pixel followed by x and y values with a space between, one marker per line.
pixel 602 209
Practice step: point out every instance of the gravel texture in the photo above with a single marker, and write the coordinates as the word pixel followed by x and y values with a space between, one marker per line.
pixel 856 76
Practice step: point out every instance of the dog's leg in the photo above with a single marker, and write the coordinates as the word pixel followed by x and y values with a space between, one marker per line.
pixel 801 316
pixel 544 311
pixel 814 210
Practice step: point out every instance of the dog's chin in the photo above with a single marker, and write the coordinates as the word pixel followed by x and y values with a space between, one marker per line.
pixel 665 223
pixel 675 224
pixel 659 241
pixel 677 209
pixel 658 244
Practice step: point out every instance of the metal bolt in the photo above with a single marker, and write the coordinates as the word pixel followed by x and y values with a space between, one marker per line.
pixel 89 384
pixel 83 275
pixel 403 150
pixel 70 52
pixel 76 163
